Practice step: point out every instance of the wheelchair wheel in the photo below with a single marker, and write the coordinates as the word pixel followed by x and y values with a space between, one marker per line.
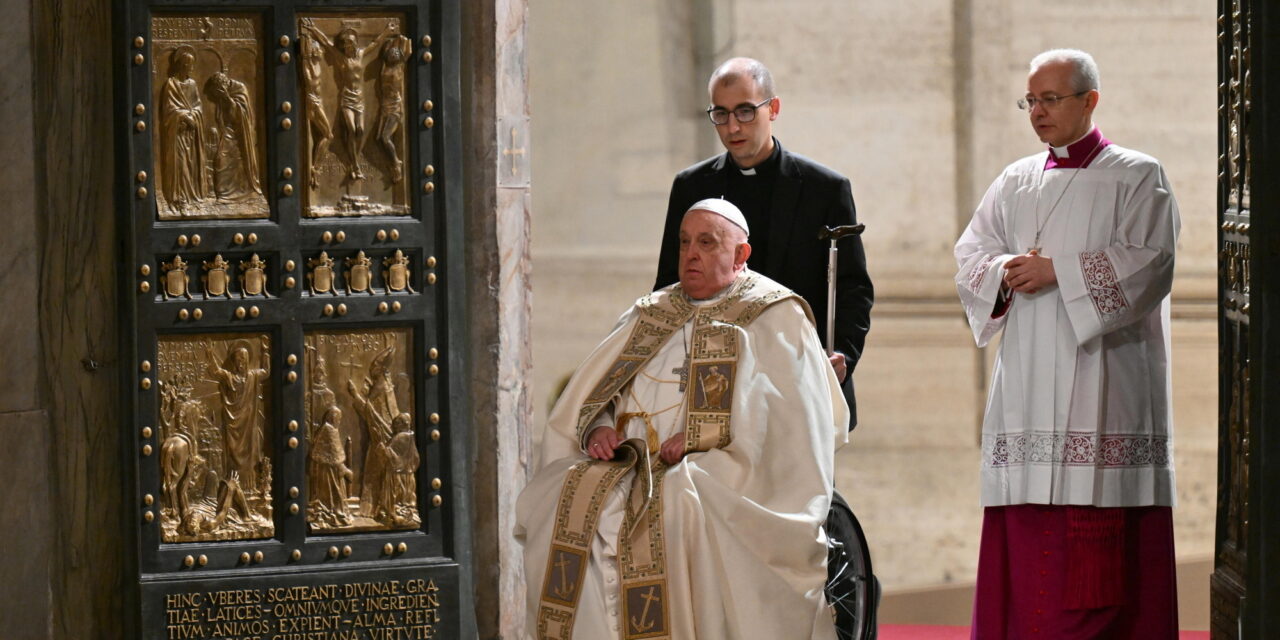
pixel 853 592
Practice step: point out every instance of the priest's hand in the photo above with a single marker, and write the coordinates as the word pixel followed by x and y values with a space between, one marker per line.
pixel 839 364
pixel 1030 273
pixel 672 450
pixel 602 442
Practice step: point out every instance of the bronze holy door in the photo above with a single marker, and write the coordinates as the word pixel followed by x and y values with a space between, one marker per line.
pixel 290 205
pixel 1245 587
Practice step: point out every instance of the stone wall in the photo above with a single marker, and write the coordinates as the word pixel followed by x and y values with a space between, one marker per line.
pixel 914 101
pixel 24 422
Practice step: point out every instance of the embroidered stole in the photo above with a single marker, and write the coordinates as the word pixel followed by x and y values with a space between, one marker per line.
pixel 709 399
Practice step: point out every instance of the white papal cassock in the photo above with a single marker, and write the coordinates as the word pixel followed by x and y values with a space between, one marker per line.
pixel 739 550
pixel 1079 411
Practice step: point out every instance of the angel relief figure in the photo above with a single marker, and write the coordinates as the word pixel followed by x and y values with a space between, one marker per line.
pixel 183 181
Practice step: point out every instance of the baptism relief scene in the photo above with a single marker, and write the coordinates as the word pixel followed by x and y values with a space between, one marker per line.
pixel 215 458
pixel 354 143
pixel 208 140
pixel 362 458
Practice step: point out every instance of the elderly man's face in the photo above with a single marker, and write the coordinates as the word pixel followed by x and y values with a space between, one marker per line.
pixel 749 143
pixel 1069 119
pixel 712 252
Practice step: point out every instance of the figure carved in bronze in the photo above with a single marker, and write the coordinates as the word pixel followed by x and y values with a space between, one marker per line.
pixel 352 65
pixel 181 152
pixel 375 401
pixel 241 388
pixel 327 473
pixel 391 99
pixel 183 422
pixel 396 274
pixel 215 472
pixel 362 443
pixel 349 63
pixel 320 278
pixel 403 464
pixel 317 122
pixel 253 277
pixel 359 274
pixel 216 279
pixel 235 156
pixel 175 279
pixel 207 88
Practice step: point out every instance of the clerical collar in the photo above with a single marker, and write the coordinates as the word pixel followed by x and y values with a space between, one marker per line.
pixel 1078 154
pixel 764 168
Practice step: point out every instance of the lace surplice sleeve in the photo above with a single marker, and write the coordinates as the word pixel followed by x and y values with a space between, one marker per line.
pixel 981 254
pixel 1108 288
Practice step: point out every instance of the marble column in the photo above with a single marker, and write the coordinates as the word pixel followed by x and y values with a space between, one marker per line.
pixel 498 203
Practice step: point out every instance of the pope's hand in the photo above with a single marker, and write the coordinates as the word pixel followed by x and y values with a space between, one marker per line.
pixel 672 450
pixel 603 442
pixel 838 363
pixel 1030 273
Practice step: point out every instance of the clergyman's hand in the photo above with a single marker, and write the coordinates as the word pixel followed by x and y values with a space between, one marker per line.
pixel 672 450
pixel 1030 273
pixel 603 442
pixel 839 364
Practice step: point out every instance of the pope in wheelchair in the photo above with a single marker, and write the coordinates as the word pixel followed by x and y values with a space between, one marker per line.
pixel 687 469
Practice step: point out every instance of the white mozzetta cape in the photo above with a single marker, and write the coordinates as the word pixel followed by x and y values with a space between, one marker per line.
pixel 1079 409
pixel 745 551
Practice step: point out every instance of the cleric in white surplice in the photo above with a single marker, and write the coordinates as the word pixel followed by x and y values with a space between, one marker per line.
pixel 728 414
pixel 1071 253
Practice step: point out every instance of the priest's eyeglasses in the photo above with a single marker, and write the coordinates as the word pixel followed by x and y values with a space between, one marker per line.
pixel 745 112
pixel 1048 102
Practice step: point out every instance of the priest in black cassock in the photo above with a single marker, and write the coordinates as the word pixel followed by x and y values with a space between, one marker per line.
pixel 786 198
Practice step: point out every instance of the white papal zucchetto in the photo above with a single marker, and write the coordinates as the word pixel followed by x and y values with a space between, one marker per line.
pixel 724 209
